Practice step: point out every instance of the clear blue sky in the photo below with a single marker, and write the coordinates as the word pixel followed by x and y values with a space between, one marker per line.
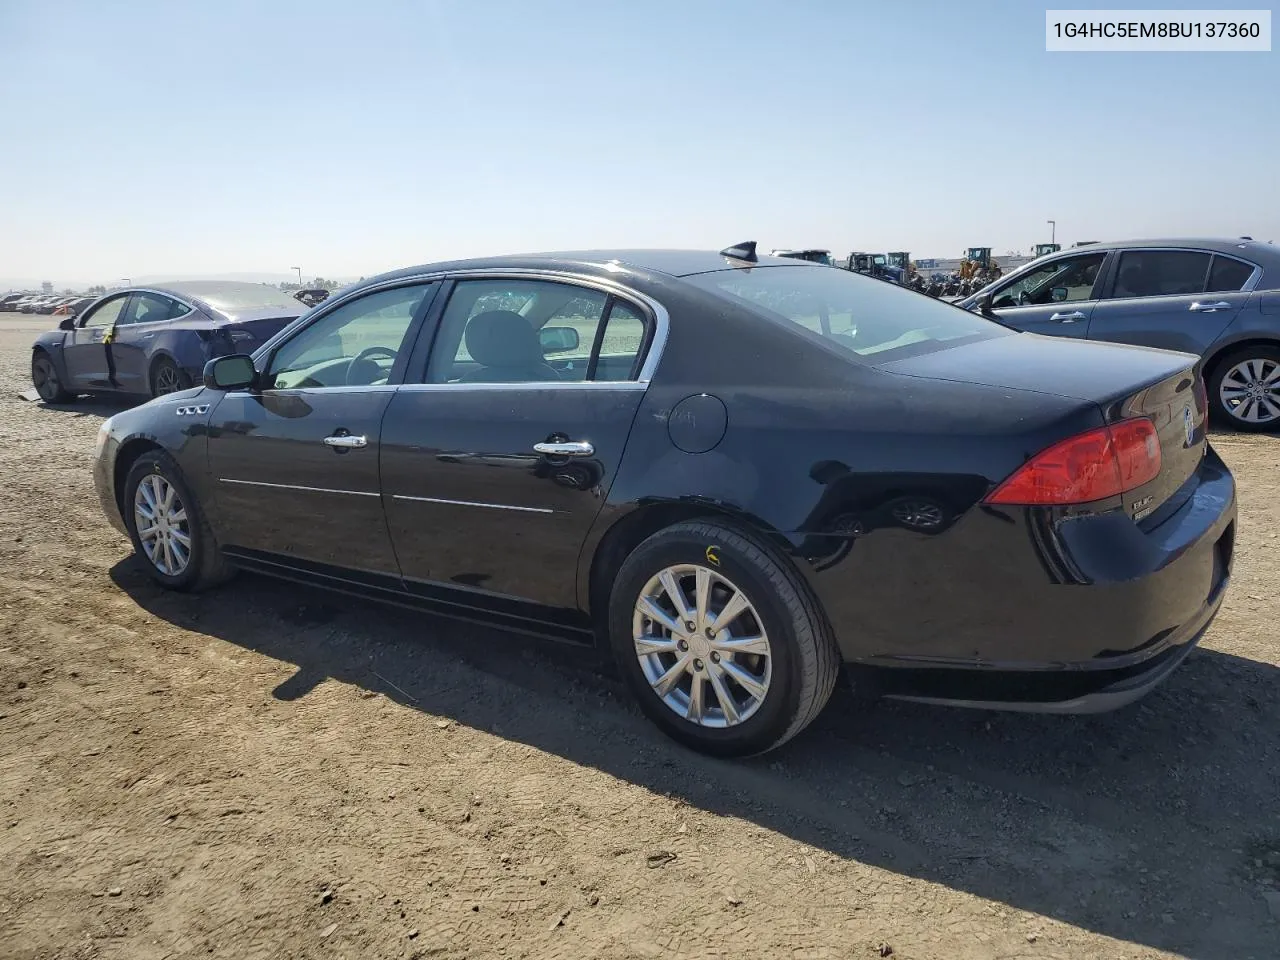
pixel 172 138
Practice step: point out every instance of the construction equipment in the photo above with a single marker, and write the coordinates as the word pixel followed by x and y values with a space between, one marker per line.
pixel 872 264
pixel 899 266
pixel 977 262
pixel 1046 248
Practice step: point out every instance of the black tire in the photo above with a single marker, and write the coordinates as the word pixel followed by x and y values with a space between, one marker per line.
pixel 44 377
pixel 805 660
pixel 1219 409
pixel 168 377
pixel 205 565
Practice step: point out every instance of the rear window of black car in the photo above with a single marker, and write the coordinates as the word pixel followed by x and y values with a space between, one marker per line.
pixel 872 319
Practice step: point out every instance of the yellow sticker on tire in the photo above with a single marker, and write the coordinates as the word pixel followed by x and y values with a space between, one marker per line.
pixel 713 556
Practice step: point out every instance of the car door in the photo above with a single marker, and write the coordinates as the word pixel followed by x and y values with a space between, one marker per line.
pixel 84 351
pixel 1055 298
pixel 294 461
pixel 142 320
pixel 495 466
pixel 1174 299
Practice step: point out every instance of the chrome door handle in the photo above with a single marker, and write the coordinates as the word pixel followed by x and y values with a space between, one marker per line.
pixel 1067 317
pixel 346 442
pixel 568 448
pixel 1199 307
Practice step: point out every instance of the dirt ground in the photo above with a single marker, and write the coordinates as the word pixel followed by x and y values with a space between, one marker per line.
pixel 270 771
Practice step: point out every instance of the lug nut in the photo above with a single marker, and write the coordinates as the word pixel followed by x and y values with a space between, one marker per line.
pixel 715 657
pixel 697 664
pixel 683 645
pixel 711 634
pixel 690 625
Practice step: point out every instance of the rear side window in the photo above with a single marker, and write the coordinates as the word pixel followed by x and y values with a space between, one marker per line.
pixel 535 331
pixel 869 318
pixel 1161 273
pixel 1228 275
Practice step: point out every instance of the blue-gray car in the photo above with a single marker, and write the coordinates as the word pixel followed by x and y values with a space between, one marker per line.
pixel 1217 298
pixel 149 341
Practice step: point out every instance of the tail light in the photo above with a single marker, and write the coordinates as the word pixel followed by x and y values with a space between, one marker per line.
pixel 1091 466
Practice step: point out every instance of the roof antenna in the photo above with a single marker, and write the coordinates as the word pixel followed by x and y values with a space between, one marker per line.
pixel 741 251
pixel 1246 238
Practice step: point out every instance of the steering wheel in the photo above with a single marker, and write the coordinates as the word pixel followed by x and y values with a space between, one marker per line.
pixel 366 356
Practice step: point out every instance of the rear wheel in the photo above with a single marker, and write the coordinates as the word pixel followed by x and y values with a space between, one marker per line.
pixel 1244 389
pixel 168 377
pixel 44 377
pixel 169 532
pixel 720 641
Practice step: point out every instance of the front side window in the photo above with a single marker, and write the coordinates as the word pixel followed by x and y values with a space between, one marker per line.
pixel 871 319
pixel 1066 280
pixel 107 314
pixel 1161 273
pixel 534 331
pixel 355 345
pixel 1228 275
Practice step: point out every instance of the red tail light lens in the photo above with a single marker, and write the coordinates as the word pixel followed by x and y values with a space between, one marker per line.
pixel 1091 466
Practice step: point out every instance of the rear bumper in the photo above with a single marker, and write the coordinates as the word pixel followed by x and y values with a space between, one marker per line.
pixel 1091 645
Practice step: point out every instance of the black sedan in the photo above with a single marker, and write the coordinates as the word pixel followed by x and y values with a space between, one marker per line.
pixel 737 474
pixel 156 340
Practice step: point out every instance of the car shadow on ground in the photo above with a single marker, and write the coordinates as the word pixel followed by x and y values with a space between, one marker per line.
pixel 88 406
pixel 1156 824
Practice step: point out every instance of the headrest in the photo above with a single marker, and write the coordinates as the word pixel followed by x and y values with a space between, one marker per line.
pixel 501 338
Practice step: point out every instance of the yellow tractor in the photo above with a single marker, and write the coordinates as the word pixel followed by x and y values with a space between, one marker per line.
pixel 977 262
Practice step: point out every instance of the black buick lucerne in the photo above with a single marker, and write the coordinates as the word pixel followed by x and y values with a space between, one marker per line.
pixel 739 474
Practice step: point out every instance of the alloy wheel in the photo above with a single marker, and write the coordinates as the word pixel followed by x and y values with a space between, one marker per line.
pixel 45 379
pixel 1250 390
pixel 161 522
pixel 166 379
pixel 702 646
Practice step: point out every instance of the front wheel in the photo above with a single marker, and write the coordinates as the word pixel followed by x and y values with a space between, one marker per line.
pixel 168 528
pixel 1244 389
pixel 44 377
pixel 721 643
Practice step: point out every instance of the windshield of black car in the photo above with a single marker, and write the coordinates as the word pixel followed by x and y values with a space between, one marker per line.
pixel 871 319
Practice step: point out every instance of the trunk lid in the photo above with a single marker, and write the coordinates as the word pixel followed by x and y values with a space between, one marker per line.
pixel 1124 381
pixel 251 329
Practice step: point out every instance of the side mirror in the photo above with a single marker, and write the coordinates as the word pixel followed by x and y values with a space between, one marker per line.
pixel 235 372
pixel 558 339
pixel 67 323
pixel 1059 294
pixel 984 304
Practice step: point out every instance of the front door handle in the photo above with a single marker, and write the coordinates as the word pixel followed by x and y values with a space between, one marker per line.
pixel 1199 307
pixel 1071 317
pixel 566 448
pixel 346 442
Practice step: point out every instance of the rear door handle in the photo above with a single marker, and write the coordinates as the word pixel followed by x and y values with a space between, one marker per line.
pixel 1199 307
pixel 346 442
pixel 566 448
pixel 1067 317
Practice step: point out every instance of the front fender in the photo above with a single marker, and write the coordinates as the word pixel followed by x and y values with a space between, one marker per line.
pixel 51 343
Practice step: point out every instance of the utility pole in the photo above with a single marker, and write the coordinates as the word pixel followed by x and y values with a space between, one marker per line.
pixel 299 269
pixel 1053 230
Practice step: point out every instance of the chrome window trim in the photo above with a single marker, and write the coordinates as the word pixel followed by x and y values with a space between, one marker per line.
pixel 471 503
pixel 657 344
pixel 1249 285
pixel 294 486
pixel 628 385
